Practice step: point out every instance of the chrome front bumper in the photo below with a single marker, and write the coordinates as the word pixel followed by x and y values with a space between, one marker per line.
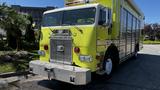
pixel 65 73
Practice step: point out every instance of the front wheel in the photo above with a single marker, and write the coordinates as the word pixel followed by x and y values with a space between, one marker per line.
pixel 108 66
pixel 111 60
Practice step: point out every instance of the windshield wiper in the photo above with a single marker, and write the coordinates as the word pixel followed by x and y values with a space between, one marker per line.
pixel 67 24
pixel 74 25
pixel 51 29
pixel 80 30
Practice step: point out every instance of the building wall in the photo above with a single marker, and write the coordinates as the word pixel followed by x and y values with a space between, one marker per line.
pixel 35 12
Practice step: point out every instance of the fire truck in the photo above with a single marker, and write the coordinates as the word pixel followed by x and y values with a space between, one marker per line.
pixel 88 36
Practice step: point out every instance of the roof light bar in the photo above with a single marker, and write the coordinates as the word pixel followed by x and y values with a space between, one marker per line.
pixel 74 2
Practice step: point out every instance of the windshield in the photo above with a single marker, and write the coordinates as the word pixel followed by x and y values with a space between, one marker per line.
pixel 71 17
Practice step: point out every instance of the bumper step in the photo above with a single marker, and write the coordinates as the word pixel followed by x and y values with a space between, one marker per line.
pixel 65 73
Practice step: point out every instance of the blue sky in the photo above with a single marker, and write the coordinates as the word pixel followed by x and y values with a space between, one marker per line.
pixel 149 7
pixel 36 3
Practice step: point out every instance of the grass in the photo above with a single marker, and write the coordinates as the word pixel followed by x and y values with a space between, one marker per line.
pixel 14 66
pixel 17 65
pixel 151 42
pixel 8 67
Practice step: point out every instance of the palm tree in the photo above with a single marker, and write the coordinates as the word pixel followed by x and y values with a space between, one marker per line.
pixel 14 23
pixel 29 35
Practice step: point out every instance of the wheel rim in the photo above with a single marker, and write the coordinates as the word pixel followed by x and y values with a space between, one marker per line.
pixel 108 67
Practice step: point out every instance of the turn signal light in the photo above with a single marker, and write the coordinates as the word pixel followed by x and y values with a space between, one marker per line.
pixel 45 47
pixel 76 49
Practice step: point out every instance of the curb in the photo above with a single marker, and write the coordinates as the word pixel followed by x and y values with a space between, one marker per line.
pixel 3 84
pixel 12 74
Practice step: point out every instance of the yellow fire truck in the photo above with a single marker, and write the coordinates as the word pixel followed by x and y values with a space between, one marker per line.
pixel 87 36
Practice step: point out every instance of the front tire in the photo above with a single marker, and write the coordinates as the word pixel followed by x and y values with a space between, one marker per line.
pixel 111 60
pixel 108 66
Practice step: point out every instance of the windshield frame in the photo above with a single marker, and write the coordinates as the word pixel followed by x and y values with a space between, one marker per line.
pixel 95 6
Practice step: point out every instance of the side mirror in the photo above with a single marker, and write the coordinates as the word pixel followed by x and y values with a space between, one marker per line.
pixel 105 17
pixel 108 17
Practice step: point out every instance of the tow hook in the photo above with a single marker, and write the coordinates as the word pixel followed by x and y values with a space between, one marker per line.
pixel 72 79
pixel 31 69
pixel 49 71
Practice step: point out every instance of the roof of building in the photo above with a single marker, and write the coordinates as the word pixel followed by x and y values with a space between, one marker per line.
pixel 18 6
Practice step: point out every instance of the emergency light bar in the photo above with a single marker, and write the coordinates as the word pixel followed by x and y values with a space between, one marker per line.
pixel 74 2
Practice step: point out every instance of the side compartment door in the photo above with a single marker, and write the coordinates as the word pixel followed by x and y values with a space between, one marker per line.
pixel 123 33
pixel 129 33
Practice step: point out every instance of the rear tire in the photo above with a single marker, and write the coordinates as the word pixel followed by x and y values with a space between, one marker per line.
pixel 136 51
pixel 135 56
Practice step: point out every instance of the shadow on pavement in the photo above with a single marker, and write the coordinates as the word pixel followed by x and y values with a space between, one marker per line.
pixel 142 73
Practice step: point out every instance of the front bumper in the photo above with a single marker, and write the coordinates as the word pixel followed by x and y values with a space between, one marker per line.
pixel 65 73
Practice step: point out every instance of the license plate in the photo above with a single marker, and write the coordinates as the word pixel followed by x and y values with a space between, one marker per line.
pixel 60 48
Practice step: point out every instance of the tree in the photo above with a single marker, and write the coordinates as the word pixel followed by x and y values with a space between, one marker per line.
pixel 29 35
pixel 147 29
pixel 155 27
pixel 14 23
pixel 152 30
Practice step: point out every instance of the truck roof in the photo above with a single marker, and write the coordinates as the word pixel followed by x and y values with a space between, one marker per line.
pixel 131 2
pixel 72 8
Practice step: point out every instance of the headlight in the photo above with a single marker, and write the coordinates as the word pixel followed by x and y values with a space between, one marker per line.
pixel 85 58
pixel 41 53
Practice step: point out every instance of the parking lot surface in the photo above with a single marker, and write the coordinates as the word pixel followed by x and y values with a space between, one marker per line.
pixel 142 73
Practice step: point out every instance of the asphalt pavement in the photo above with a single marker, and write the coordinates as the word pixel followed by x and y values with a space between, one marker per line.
pixel 142 73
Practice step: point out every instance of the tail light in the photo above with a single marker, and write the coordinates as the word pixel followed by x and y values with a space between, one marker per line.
pixel 76 49
pixel 45 47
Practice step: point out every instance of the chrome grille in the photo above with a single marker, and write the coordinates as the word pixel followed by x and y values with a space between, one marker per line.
pixel 61 49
